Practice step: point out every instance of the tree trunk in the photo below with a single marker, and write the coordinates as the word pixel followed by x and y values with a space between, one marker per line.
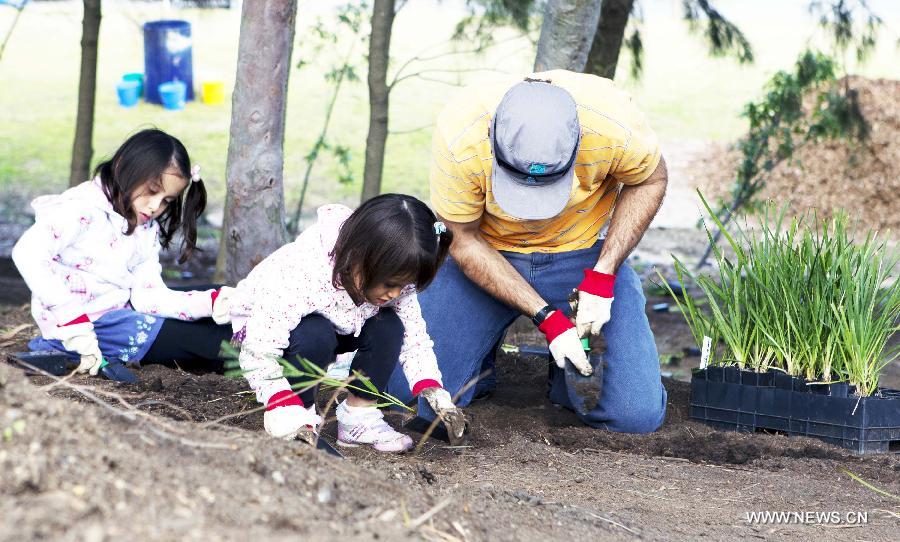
pixel 379 54
pixel 82 148
pixel 566 34
pixel 253 225
pixel 604 55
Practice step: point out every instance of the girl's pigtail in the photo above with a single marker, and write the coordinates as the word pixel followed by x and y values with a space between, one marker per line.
pixel 193 207
pixel 444 241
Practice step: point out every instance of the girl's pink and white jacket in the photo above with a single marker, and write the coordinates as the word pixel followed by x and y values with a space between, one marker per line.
pixel 76 259
pixel 295 281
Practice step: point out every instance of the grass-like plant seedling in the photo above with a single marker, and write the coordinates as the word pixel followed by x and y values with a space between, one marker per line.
pixel 802 297
pixel 309 374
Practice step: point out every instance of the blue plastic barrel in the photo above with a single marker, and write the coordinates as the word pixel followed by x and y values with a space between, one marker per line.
pixel 167 57
pixel 172 95
pixel 128 92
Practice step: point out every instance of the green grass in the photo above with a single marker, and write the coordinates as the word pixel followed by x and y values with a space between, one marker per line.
pixel 686 94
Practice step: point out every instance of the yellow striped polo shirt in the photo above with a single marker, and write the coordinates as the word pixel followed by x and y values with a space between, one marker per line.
pixel 617 146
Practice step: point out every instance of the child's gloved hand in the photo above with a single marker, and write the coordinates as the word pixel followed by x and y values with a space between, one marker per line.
pixel 287 419
pixel 221 304
pixel 81 338
pixel 455 421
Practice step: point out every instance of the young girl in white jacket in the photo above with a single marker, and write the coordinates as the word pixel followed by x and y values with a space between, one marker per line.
pixel 91 260
pixel 347 283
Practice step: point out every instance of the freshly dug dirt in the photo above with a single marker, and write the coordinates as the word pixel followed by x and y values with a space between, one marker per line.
pixel 863 178
pixel 163 461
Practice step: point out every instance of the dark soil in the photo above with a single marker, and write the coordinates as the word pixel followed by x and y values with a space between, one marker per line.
pixel 183 456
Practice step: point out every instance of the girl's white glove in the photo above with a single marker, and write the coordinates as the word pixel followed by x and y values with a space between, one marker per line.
pixel 287 419
pixel 81 338
pixel 454 420
pixel 221 305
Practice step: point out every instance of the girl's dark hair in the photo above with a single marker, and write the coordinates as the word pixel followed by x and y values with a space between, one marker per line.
pixel 141 159
pixel 389 237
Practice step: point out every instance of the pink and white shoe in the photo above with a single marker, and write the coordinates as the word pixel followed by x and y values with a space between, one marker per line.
pixel 366 426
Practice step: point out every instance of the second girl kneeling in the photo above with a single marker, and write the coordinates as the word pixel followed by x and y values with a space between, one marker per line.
pixel 347 283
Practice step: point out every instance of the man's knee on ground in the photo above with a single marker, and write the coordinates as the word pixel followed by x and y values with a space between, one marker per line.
pixel 636 419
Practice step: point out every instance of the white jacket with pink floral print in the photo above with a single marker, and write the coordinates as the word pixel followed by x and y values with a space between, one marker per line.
pixel 295 281
pixel 76 259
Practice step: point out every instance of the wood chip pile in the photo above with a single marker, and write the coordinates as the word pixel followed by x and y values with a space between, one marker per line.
pixel 862 178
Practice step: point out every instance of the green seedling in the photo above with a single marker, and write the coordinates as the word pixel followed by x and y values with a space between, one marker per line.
pixel 802 297
pixel 15 428
pixel 309 375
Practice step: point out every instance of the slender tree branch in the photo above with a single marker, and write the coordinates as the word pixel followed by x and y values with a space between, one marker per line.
pixel 295 220
pixel 438 70
pixel 438 56
pixel 411 130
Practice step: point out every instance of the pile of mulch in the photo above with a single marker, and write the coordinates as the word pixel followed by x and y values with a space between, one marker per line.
pixel 860 177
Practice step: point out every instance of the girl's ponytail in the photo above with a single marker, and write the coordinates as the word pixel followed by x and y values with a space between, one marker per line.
pixel 193 207
pixel 444 241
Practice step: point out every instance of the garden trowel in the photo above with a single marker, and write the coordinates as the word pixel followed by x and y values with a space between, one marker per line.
pixel 584 391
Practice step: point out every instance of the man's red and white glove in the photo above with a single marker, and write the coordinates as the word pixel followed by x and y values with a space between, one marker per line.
pixel 286 418
pixel 221 304
pixel 78 336
pixel 565 343
pixel 595 297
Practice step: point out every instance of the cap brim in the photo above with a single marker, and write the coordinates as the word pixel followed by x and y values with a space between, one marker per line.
pixel 527 201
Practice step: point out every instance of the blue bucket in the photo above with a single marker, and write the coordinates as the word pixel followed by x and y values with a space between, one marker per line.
pixel 173 94
pixel 136 77
pixel 128 92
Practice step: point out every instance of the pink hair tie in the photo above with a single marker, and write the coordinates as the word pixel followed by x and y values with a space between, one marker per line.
pixel 195 173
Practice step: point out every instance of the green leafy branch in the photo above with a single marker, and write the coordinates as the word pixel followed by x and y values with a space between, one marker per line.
pixel 723 36
pixel 800 106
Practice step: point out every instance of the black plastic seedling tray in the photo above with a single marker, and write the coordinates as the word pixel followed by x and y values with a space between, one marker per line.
pixel 731 399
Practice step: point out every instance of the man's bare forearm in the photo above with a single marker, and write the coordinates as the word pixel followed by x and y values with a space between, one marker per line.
pixel 635 208
pixel 487 268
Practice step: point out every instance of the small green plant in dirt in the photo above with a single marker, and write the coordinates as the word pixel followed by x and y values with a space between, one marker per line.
pixel 309 375
pixel 802 297
pixel 15 428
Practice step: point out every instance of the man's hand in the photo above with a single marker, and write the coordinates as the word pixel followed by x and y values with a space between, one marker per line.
pixel 80 338
pixel 595 297
pixel 454 420
pixel 221 304
pixel 564 342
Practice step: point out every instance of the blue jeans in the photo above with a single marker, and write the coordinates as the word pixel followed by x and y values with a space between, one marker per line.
pixel 467 324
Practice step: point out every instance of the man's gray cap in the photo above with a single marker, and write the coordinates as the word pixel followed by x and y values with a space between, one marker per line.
pixel 534 138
